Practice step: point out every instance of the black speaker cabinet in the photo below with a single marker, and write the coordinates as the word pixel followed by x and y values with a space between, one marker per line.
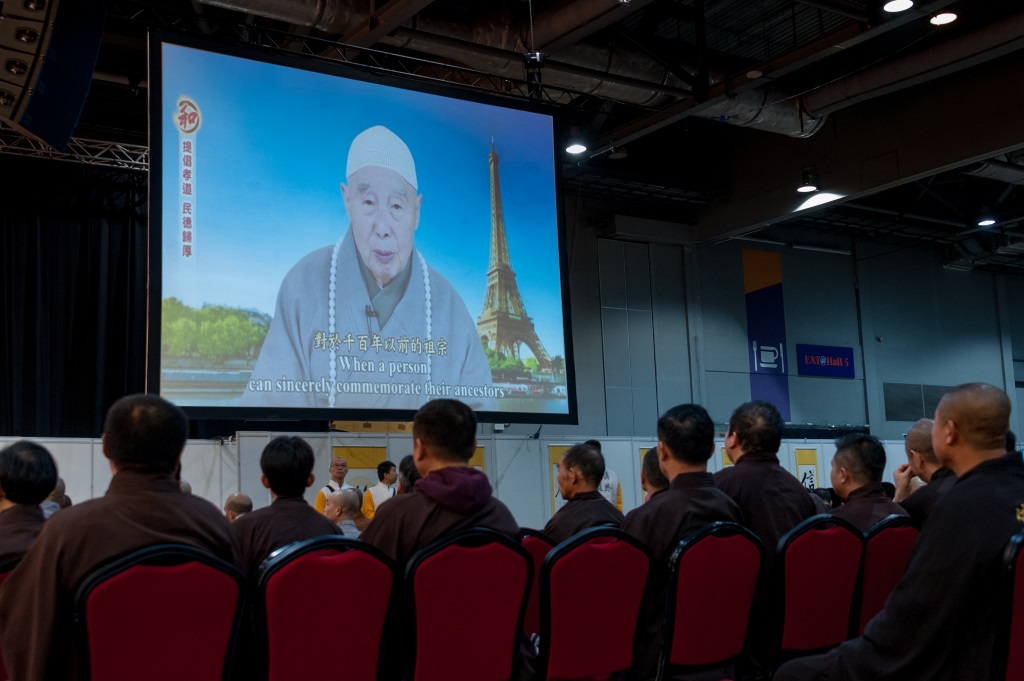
pixel 48 52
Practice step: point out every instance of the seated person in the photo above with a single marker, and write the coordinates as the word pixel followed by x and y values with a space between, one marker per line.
pixel 451 496
pixel 407 474
pixel 857 477
pixel 237 505
pixel 55 500
pixel 143 438
pixel 342 508
pixel 361 521
pixel 287 463
pixel 579 473
pixel 921 463
pixel 27 474
pixel 652 480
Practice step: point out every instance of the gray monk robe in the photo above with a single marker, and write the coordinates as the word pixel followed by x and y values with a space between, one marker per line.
pixel 138 510
pixel 299 344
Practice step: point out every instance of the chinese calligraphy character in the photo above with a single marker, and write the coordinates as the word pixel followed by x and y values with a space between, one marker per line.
pixel 442 347
pixel 186 174
pixel 389 344
pixel 186 237
pixel 186 146
pixel 376 343
pixel 186 223
pixel 416 346
pixel 363 341
pixel 186 251
pixel 428 346
pixel 186 188
pixel 348 340
pixel 403 345
pixel 186 208
pixel 186 161
pixel 320 340
pixel 334 341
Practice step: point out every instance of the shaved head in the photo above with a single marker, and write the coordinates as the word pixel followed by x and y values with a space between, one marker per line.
pixel 981 413
pixel 349 502
pixel 919 439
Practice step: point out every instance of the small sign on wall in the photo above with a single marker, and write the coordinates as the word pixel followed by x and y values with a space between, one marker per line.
pixel 824 360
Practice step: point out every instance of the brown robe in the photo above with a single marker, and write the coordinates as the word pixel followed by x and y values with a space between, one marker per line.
pixel 583 511
pixel 866 506
pixel 919 504
pixel 286 520
pixel 19 527
pixel 138 510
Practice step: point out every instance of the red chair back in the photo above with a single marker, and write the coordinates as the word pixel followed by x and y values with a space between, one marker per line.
pixel 591 590
pixel 1012 643
pixel 163 613
pixel 469 590
pixel 537 544
pixel 887 547
pixel 292 584
pixel 6 568
pixel 705 626
pixel 820 555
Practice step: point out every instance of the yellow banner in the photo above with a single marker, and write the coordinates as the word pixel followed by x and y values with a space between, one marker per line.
pixel 807 468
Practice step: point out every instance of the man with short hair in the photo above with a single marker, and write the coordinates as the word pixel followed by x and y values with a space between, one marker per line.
pixel 372 283
pixel 942 621
pixel 922 463
pixel 27 475
pixel 609 487
pixel 143 438
pixel 384 490
pixel 771 499
pixel 686 439
pixel 237 505
pixel 652 480
pixel 451 496
pixel 579 473
pixel 407 474
pixel 857 477
pixel 342 509
pixel 287 464
pixel 338 471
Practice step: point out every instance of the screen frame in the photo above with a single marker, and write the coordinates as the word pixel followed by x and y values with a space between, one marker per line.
pixel 350 71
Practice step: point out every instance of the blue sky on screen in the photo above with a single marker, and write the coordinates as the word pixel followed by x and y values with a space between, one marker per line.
pixel 270 155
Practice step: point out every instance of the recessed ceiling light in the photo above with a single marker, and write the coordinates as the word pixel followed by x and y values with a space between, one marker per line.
pixel 986 222
pixel 898 5
pixel 943 19
pixel 576 148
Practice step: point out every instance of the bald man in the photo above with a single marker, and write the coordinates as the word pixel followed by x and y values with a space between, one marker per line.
pixel 342 508
pixel 921 463
pixel 235 505
pixel 940 622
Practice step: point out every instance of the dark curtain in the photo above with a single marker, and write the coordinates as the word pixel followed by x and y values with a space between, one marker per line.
pixel 73 315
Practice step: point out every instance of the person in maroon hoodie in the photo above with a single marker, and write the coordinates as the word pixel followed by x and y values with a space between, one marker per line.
pixel 451 494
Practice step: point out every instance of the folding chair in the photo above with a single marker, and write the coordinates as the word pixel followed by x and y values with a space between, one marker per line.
pixel 163 613
pixel 704 626
pixel 292 585
pixel 887 547
pixel 6 568
pixel 468 591
pixel 1010 650
pixel 537 544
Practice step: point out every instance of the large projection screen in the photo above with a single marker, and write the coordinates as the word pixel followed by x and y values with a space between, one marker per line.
pixel 330 243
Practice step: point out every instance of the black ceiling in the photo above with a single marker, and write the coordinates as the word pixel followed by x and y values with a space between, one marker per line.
pixel 697 111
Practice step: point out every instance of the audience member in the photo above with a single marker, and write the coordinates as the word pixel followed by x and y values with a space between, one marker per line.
pixel 579 473
pixel 338 471
pixel 384 490
pixel 941 621
pixel 857 477
pixel 237 505
pixel 922 463
pixel 27 474
pixel 451 495
pixel 143 438
pixel 686 440
pixel 360 520
pixel 54 501
pixel 652 480
pixel 348 503
pixel 771 499
pixel 407 474
pixel 287 464
pixel 610 487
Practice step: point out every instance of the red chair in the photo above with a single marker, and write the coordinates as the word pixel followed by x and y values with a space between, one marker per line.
pixel 821 555
pixel 704 626
pixel 591 590
pixel 292 584
pixel 468 593
pixel 887 547
pixel 1011 651
pixel 537 544
pixel 6 568
pixel 163 613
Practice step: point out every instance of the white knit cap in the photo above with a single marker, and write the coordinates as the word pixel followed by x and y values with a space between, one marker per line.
pixel 378 146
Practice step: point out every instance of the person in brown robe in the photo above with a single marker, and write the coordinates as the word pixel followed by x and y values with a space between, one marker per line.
pixel 857 477
pixel 579 473
pixel 287 464
pixel 652 480
pixel 450 496
pixel 143 438
pixel 28 474
pixel 686 440
pixel 922 463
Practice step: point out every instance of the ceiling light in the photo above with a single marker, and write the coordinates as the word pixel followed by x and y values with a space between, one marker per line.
pixel 986 221
pixel 819 199
pixel 576 144
pixel 808 181
pixel 898 5
pixel 943 19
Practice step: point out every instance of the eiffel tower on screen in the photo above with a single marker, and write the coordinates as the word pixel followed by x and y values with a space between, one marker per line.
pixel 503 324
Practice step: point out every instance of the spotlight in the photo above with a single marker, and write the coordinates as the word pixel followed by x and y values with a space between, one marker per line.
pixel 986 221
pixel 943 19
pixel 576 145
pixel 894 6
pixel 26 36
pixel 15 67
pixel 808 181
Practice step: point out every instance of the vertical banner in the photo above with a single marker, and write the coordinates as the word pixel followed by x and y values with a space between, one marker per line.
pixel 766 328
pixel 188 120
pixel 807 467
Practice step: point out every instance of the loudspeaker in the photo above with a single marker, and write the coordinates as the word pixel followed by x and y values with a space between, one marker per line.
pixel 48 51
